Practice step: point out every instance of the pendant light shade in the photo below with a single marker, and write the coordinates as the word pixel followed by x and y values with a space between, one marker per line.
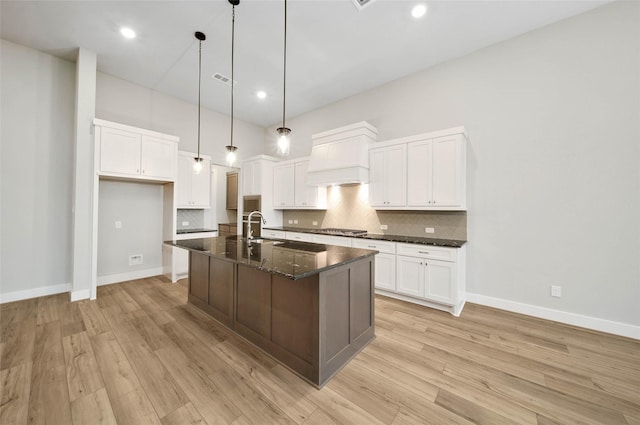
pixel 231 150
pixel 197 161
pixel 284 143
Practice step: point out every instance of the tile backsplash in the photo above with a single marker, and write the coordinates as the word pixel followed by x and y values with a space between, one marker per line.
pixel 348 208
pixel 194 217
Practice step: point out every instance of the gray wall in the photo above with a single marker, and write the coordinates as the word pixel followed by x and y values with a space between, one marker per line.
pixel 138 206
pixel 37 121
pixel 127 103
pixel 553 118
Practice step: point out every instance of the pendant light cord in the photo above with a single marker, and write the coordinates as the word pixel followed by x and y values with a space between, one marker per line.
pixel 233 32
pixel 284 83
pixel 199 82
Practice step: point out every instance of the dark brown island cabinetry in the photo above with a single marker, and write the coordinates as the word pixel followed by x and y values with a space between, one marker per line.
pixel 312 322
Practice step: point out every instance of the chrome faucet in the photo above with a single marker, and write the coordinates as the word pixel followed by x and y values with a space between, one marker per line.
pixel 249 230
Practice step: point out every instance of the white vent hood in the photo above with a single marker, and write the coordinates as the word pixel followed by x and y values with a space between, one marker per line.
pixel 341 156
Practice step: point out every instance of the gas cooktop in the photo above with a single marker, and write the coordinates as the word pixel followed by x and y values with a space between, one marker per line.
pixel 340 232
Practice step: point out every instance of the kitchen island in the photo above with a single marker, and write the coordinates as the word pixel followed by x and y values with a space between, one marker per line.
pixel 310 306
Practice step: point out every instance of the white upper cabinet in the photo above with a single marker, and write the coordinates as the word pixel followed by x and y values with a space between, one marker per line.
pixel 252 177
pixel 193 189
pixel 387 176
pixel 290 188
pixel 435 175
pixel 283 186
pixel 430 174
pixel 133 153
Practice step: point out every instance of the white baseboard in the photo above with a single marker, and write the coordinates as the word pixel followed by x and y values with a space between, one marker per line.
pixel 123 277
pixel 83 294
pixel 43 291
pixel 602 325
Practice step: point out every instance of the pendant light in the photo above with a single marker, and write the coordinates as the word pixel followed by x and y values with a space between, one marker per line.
pixel 197 164
pixel 231 150
pixel 284 144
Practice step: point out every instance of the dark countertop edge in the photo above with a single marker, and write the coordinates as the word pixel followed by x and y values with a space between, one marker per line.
pixel 371 252
pixel 188 231
pixel 449 243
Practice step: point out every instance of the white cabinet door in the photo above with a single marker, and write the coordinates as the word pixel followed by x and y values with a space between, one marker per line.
pixel 410 276
pixel 201 186
pixel 283 186
pixel 251 178
pixel 377 175
pixel 387 176
pixel 386 271
pixel 419 174
pixel 119 151
pixel 305 195
pixel 194 189
pixel 396 175
pixel 158 158
pixel 183 185
pixel 447 160
pixel 441 281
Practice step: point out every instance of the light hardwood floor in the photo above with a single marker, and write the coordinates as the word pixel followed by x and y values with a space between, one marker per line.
pixel 140 355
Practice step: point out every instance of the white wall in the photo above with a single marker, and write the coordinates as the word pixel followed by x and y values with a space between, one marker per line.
pixel 37 125
pixel 138 206
pixel 553 118
pixel 127 103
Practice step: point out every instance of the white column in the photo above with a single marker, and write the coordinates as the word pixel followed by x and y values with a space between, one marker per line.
pixel 84 278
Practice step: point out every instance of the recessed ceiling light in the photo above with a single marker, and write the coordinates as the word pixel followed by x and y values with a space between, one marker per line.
pixel 127 32
pixel 419 10
pixel 261 94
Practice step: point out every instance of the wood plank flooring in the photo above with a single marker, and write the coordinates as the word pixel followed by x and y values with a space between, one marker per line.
pixel 140 354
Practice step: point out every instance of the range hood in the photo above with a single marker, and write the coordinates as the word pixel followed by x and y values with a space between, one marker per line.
pixel 341 156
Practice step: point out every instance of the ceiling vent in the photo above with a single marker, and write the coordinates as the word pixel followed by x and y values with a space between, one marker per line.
pixel 361 4
pixel 223 79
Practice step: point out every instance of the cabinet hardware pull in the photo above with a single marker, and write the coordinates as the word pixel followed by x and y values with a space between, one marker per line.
pixel 423 252
pixel 371 246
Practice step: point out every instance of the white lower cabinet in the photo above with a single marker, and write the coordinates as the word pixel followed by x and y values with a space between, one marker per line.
pixel 331 240
pixel 302 237
pixel 385 277
pixel 432 274
pixel 274 234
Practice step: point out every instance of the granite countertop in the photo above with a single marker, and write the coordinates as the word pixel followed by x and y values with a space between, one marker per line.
pixel 200 230
pixel 451 243
pixel 294 260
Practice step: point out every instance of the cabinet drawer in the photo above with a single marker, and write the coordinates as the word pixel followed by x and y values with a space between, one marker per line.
pixel 382 246
pixel 303 237
pixel 428 251
pixel 332 240
pixel 276 234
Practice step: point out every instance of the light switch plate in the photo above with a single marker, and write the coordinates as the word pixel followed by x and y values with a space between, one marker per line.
pixel 185 223
pixel 118 224
pixel 429 230
pixel 290 221
pixel 556 291
pixel 315 223
pixel 383 227
pixel 295 221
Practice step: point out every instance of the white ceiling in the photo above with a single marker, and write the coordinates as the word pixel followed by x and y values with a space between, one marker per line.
pixel 334 50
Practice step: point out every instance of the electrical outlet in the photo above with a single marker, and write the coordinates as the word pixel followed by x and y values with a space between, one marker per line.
pixel 290 221
pixel 118 224
pixel 295 221
pixel 429 230
pixel 185 223
pixel 315 223
pixel 383 227
pixel 135 259
pixel 556 291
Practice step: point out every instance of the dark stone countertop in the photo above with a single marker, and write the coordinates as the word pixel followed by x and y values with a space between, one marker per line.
pixel 294 260
pixel 451 243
